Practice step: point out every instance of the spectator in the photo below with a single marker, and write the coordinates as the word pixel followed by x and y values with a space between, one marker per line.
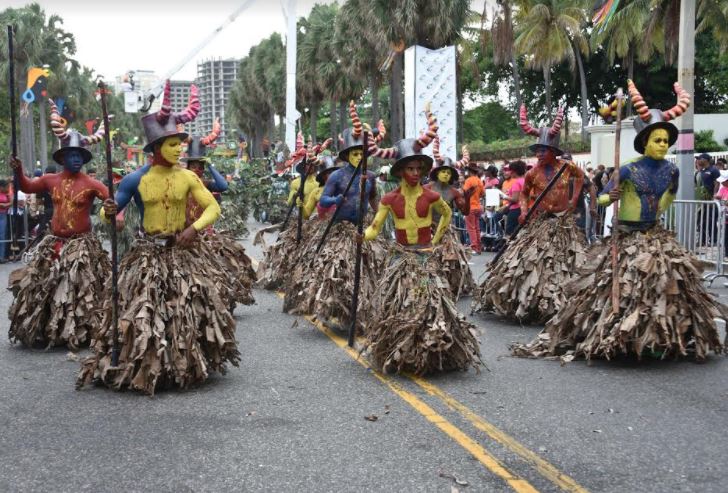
pixel 490 179
pixel 517 172
pixel 6 201
pixel 706 176
pixel 722 163
pixel 91 172
pixel 722 195
pixel 474 190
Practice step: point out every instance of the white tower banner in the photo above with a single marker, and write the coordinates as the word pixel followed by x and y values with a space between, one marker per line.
pixel 429 75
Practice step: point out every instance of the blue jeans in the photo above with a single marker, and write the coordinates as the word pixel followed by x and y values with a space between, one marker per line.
pixel 3 234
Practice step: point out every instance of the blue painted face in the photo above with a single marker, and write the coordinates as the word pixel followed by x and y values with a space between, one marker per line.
pixel 72 160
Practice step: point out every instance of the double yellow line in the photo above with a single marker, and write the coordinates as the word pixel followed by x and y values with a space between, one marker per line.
pixel 518 484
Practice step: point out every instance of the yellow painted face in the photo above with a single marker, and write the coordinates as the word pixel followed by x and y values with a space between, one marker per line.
pixel 355 157
pixel 657 144
pixel 170 149
pixel 444 176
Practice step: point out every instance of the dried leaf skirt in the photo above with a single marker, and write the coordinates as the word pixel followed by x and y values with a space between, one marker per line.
pixel 527 283
pixel 280 258
pixel 454 258
pixel 323 284
pixel 174 327
pixel 59 296
pixel 663 306
pixel 234 263
pixel 415 325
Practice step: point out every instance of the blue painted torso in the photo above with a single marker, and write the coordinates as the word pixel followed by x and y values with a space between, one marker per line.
pixel 336 184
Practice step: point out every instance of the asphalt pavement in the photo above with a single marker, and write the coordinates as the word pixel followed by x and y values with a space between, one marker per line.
pixel 302 413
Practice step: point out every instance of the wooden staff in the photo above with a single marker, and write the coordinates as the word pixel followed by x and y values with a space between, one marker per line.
pixel 615 206
pixel 360 231
pixel 116 349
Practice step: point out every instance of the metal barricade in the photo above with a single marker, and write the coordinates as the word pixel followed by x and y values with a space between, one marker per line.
pixel 700 227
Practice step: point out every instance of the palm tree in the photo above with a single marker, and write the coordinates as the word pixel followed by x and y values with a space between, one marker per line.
pixel 550 33
pixel 503 40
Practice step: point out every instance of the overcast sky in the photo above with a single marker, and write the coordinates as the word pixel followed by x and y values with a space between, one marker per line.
pixel 114 36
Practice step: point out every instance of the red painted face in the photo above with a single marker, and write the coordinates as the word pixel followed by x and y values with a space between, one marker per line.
pixel 545 155
pixel 196 167
pixel 412 172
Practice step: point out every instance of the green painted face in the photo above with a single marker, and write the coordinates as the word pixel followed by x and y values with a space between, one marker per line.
pixel 657 144
pixel 444 176
pixel 170 149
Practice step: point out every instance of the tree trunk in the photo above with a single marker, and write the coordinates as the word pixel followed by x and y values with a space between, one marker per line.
pixel 43 133
pixel 271 128
pixel 584 96
pixel 332 116
pixel 547 82
pixel 516 82
pixel 459 104
pixel 281 127
pixel 395 98
pixel 630 74
pixel 374 87
pixel 343 121
pixel 314 123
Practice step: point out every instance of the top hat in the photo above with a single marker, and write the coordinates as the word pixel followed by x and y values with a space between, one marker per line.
pixel 163 124
pixel 197 147
pixel 71 139
pixel 547 136
pixel 650 119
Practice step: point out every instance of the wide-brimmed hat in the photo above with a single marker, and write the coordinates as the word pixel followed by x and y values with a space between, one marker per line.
pixel 546 136
pixel 71 139
pixel 447 163
pixel 326 167
pixel 407 150
pixel 163 124
pixel 197 146
pixel 648 119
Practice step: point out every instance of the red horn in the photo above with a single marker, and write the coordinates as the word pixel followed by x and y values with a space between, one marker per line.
pixel 428 135
pixel 166 109
pixel 375 151
pixel 299 140
pixel 193 107
pixel 212 137
pixel 59 129
pixel 525 124
pixel 683 101
pixel 556 127
pixel 96 137
pixel 382 131
pixel 638 102
pixel 355 121
pixel 465 160
pixel 436 149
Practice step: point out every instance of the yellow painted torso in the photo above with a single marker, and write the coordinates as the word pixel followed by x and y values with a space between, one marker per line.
pixel 309 187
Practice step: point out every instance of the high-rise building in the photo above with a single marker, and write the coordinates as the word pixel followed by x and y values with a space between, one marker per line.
pixel 179 94
pixel 215 79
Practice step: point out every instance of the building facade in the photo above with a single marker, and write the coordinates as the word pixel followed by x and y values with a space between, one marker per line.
pixel 215 79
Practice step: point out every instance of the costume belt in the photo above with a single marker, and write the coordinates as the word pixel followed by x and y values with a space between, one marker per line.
pixel 158 240
pixel 630 226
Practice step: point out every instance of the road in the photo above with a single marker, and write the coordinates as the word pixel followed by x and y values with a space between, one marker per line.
pixel 293 417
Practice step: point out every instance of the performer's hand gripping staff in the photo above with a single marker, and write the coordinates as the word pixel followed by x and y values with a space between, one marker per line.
pixel 15 163
pixel 114 252
pixel 359 230
pixel 532 210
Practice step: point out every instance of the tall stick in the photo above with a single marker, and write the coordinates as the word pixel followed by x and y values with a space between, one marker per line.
pixel 304 177
pixel 360 231
pixel 13 134
pixel 615 218
pixel 114 255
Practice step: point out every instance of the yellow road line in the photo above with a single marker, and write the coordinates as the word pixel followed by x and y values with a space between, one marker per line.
pixel 543 467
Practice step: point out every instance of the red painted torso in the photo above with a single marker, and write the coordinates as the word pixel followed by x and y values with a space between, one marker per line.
pixel 558 199
pixel 72 195
pixel 396 201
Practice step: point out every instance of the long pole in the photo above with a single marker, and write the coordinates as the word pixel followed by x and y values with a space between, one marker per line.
pixel 304 177
pixel 615 206
pixel 114 255
pixel 13 135
pixel 531 211
pixel 360 231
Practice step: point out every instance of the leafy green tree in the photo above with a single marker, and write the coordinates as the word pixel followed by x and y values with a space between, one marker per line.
pixel 489 122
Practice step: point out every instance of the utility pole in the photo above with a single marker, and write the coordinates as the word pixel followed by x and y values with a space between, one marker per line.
pixel 686 77
pixel 686 138
pixel 292 115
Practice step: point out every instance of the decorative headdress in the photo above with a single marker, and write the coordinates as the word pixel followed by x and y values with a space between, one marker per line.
pixel 547 136
pixel 649 119
pixel 163 124
pixel 352 136
pixel 71 139
pixel 197 146
pixel 446 162
pixel 408 149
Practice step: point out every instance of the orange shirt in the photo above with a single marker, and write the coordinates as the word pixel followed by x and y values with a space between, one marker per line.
pixel 478 191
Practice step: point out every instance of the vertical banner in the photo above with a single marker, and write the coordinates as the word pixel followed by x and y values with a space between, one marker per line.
pixel 430 75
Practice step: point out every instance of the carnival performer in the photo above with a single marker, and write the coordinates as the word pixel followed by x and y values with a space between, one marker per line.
pixel 326 166
pixel 58 295
pixel 228 255
pixel 664 309
pixel 443 178
pixel 526 283
pixel 174 327
pixel 415 326
pixel 323 284
pixel 310 185
pixel 280 258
